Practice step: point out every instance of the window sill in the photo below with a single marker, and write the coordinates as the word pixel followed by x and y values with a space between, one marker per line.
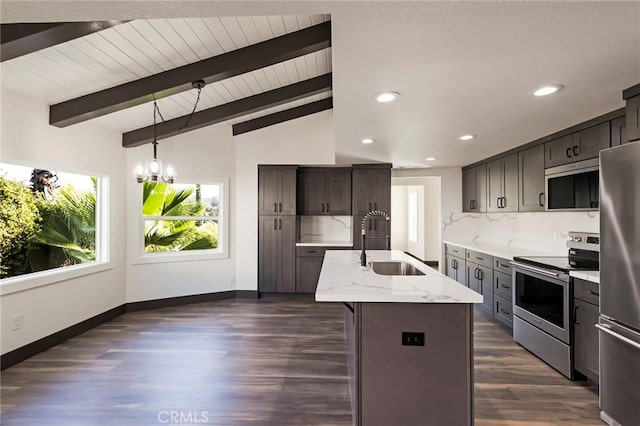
pixel 41 279
pixel 178 257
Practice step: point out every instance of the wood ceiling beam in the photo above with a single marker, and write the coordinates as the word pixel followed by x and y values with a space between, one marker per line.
pixel 282 116
pixel 170 82
pixel 228 111
pixel 23 38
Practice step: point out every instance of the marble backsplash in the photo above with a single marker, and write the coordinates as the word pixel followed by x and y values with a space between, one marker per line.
pixel 543 231
pixel 326 228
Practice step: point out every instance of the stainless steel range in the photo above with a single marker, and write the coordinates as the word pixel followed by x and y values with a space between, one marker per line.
pixel 542 299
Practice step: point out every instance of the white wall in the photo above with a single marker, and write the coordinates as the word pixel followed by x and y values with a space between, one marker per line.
pixel 416 247
pixel 200 156
pixel 398 213
pixel 27 138
pixel 306 140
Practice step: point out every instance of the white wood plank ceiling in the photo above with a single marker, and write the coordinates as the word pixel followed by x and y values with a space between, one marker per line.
pixel 141 48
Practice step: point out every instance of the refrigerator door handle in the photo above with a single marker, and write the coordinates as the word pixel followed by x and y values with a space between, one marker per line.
pixel 606 329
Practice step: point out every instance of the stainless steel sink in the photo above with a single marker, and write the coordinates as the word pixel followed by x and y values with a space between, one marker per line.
pixel 395 268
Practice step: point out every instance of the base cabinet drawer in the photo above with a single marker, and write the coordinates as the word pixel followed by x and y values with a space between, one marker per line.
pixel 480 258
pixel 502 265
pixel 502 285
pixel 502 311
pixel 455 251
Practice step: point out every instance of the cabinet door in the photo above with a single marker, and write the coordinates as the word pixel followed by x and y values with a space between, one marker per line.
pixel 559 151
pixel 468 190
pixel 286 254
pixel 619 131
pixel 633 118
pixel 287 192
pixel 338 192
pixel 495 185
pixel 485 281
pixel 381 189
pixel 480 202
pixel 312 193
pixel 268 253
pixel 307 273
pixel 472 276
pixel 268 191
pixel 510 183
pixel 360 184
pixel 586 339
pixel 532 192
pixel 590 141
pixel 456 269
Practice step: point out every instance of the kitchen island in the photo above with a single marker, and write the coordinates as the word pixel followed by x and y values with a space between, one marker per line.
pixel 409 338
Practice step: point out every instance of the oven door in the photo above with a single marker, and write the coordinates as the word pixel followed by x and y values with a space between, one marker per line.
pixel 541 297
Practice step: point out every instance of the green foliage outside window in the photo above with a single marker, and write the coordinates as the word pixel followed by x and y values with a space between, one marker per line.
pixel 168 210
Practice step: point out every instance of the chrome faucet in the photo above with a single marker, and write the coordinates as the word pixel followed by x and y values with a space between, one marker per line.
pixel 363 226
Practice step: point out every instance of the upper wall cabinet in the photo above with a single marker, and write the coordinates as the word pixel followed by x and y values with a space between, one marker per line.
pixel 324 191
pixel 578 146
pixel 474 189
pixel 531 197
pixel 371 188
pixel 632 96
pixel 502 184
pixel 277 190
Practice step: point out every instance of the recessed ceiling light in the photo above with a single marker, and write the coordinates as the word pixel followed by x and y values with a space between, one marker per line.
pixel 467 137
pixel 387 96
pixel 548 90
pixel 367 140
pixel 430 158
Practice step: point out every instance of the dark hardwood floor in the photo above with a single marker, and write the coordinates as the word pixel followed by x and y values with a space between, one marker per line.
pixel 276 361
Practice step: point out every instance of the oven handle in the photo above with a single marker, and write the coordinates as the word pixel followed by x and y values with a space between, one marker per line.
pixel 534 269
pixel 607 330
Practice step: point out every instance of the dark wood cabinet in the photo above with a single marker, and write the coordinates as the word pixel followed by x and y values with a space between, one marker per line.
pixel 307 273
pixel 474 189
pixel 377 231
pixel 277 190
pixel 480 279
pixel 585 317
pixel 578 146
pixel 324 191
pixel 371 188
pixel 502 184
pixel 531 196
pixel 277 254
pixel 632 111
pixel 619 131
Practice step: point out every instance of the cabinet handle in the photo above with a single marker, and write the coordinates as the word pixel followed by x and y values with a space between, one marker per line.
pixel 275 224
pixel 280 207
pixel 503 311
pixel 569 152
pixel 370 225
pixel 375 224
pixel 475 273
pixel 327 207
pixel 470 204
pixel 280 223
pixel 593 293
pixel 480 274
pixel 576 150
pixel 504 286
pixel 498 201
pixel 575 314
pixel 454 264
pixel 375 205
pixel 275 207
pixel 312 251
pixel 322 207
pixel 479 258
pixel 504 202
pixel 541 199
pixel 370 207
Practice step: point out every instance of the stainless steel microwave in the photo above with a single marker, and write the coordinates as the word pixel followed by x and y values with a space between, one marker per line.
pixel 573 186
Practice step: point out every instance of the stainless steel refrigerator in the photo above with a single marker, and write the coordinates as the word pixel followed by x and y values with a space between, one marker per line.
pixel 619 325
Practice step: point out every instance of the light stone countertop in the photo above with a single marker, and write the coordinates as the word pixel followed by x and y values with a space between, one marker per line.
pixel 324 243
pixel 503 251
pixel 341 280
pixel 593 276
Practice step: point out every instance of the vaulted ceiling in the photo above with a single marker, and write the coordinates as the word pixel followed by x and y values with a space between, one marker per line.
pixel 459 66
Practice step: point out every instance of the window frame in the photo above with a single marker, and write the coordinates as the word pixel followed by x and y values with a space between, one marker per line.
pixel 222 252
pixel 102 261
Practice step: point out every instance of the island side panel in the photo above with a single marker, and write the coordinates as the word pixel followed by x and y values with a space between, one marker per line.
pixel 415 385
pixel 351 341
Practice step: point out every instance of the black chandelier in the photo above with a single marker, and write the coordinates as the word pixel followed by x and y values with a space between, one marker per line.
pixel 152 170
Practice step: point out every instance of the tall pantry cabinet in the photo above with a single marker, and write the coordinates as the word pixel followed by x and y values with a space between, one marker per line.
pixel 277 229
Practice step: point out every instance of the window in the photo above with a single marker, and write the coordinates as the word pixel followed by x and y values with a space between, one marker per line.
pixel 183 218
pixel 48 220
